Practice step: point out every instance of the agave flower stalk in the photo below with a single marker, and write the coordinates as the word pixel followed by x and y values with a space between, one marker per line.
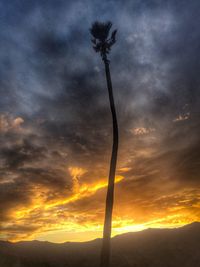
pixel 102 43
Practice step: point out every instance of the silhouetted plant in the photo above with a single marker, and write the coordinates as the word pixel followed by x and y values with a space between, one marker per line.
pixel 102 43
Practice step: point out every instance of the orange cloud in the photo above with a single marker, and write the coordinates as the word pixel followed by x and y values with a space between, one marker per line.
pixel 182 117
pixel 8 123
pixel 142 130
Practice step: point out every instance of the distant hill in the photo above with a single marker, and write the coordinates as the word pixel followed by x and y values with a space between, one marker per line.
pixel 178 247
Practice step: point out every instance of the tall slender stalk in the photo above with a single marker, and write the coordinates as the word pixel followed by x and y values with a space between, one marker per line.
pixel 102 44
pixel 105 252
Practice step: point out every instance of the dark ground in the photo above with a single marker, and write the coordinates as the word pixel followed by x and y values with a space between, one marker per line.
pixel 149 248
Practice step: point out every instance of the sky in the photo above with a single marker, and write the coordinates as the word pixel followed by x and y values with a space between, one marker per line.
pixel 55 121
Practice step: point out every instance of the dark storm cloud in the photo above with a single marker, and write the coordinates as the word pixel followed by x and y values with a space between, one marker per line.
pixel 22 190
pixel 53 80
pixel 17 155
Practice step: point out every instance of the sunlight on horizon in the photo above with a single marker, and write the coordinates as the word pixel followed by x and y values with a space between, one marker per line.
pixel 91 233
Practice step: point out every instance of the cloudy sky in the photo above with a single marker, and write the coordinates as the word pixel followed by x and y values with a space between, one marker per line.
pixel 55 122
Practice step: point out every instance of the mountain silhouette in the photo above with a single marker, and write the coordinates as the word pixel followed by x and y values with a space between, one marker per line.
pixel 179 247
